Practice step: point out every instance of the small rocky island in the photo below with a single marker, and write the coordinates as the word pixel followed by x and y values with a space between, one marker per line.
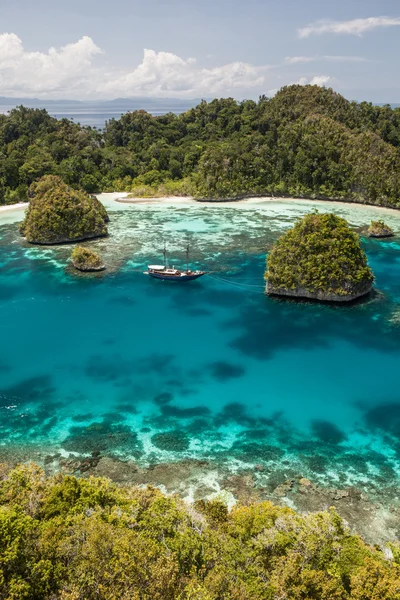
pixel 321 259
pixel 58 214
pixel 379 229
pixel 86 260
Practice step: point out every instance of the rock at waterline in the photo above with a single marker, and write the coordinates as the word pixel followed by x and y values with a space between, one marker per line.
pixel 84 259
pixel 379 229
pixel 320 258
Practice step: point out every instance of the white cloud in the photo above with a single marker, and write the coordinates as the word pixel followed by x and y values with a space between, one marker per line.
pixel 353 27
pixel 293 60
pixel 163 73
pixel 320 80
pixel 38 72
pixel 73 71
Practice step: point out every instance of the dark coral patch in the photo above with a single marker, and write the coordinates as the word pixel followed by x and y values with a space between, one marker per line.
pixel 82 418
pixel 173 441
pixel 34 388
pixel 102 437
pixel 327 432
pixel 385 417
pixel 162 399
pixel 236 412
pixel 223 371
pixel 156 363
pixel 185 413
pixel 257 452
pixel 125 407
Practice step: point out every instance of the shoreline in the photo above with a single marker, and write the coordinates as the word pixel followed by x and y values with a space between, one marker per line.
pixel 196 478
pixel 251 198
pixel 16 206
pixel 245 199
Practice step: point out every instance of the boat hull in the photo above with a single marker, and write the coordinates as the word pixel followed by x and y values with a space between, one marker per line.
pixel 182 277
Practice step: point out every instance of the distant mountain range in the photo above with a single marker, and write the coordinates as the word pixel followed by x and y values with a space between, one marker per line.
pixel 135 100
pixel 142 100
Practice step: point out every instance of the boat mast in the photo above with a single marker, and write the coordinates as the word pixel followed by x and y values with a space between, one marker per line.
pixel 187 258
pixel 165 255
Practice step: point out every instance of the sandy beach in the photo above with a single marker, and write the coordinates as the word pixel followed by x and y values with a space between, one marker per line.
pixel 13 206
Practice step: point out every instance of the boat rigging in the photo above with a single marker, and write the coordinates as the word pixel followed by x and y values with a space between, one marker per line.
pixel 171 274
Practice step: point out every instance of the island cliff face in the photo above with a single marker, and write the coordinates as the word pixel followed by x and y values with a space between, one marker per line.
pixel 59 214
pixel 321 259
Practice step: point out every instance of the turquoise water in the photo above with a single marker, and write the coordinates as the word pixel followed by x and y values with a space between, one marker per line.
pixel 131 367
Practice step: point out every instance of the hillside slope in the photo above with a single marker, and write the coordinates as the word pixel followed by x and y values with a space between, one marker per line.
pixel 306 141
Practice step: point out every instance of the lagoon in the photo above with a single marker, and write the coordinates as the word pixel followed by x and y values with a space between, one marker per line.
pixel 153 373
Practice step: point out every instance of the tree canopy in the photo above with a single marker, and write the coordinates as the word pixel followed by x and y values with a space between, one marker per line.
pixel 320 257
pixel 88 539
pixel 306 141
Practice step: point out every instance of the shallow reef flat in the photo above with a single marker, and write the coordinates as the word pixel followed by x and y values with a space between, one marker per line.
pixel 210 387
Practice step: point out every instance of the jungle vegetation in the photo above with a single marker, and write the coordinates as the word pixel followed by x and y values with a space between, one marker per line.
pixel 58 213
pixel 63 538
pixel 306 141
pixel 320 254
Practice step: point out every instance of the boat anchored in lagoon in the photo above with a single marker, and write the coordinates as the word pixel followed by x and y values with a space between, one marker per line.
pixel 171 274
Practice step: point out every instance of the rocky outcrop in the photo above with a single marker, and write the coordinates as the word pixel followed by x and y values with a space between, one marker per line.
pixel 379 229
pixel 320 259
pixel 320 295
pixel 58 214
pixel 84 259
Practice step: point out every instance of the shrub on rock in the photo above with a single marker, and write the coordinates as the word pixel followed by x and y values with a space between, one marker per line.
pixel 59 214
pixel 84 259
pixel 319 258
pixel 379 229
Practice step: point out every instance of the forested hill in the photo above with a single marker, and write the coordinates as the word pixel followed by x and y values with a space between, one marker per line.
pixel 306 141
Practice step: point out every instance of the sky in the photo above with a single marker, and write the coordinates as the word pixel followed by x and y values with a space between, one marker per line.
pixel 104 49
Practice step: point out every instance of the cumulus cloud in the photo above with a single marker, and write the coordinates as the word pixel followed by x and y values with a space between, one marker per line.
pixel 163 73
pixel 320 80
pixel 40 72
pixel 72 71
pixel 352 27
pixel 293 60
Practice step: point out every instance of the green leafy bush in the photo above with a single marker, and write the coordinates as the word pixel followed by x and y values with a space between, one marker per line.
pixel 88 539
pixel 58 213
pixel 319 254
pixel 86 260
pixel 379 229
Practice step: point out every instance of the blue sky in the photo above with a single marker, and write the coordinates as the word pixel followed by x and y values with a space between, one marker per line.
pixel 121 48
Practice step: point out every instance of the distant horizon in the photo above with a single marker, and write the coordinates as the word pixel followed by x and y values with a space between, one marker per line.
pixel 150 99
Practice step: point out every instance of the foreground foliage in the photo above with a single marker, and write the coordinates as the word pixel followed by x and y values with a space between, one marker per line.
pixel 74 539
pixel 306 141
pixel 58 213
pixel 320 254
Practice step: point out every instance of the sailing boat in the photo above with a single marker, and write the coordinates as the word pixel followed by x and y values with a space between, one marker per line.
pixel 168 274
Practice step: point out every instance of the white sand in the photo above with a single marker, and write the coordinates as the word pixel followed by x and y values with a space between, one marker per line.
pixel 13 206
